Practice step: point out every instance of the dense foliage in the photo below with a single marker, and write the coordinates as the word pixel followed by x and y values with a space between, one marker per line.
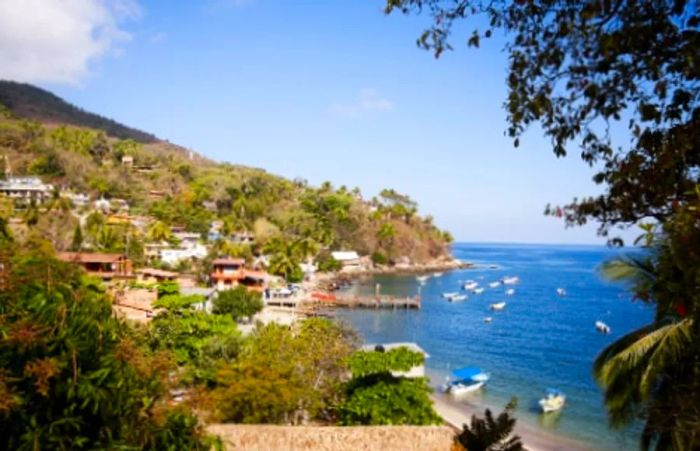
pixel 73 376
pixel 286 375
pixel 238 302
pixel 376 396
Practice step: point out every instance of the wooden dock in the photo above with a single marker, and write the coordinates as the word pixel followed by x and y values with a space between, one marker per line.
pixel 367 302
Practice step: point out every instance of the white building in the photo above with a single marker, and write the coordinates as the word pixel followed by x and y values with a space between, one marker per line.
pixel 349 259
pixel 26 189
pixel 174 256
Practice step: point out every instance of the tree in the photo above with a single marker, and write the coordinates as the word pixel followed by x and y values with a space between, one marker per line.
pixel 238 302
pixel 77 243
pixel 73 376
pixel 286 375
pixel 376 396
pixel 491 434
pixel 158 232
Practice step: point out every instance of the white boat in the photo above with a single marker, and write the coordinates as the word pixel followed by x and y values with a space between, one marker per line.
pixel 422 279
pixel 478 290
pixel 498 306
pixel 495 284
pixel 561 292
pixel 511 280
pixel 450 295
pixel 510 291
pixel 488 319
pixel 553 401
pixel 602 327
pixel 457 298
pixel 437 274
pixel 471 285
pixel 466 380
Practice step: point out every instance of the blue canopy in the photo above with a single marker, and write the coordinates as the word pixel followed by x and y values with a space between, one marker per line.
pixel 468 372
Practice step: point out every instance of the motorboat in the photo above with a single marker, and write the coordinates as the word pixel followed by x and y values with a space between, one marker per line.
pixel 510 291
pixel 561 292
pixel 495 284
pixel 422 279
pixel 511 280
pixel 471 285
pixel 553 401
pixel 488 319
pixel 450 295
pixel 478 290
pixel 465 380
pixel 498 306
pixel 457 298
pixel 437 274
pixel 602 327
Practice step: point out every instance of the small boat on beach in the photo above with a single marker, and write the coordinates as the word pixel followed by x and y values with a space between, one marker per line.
pixel 465 380
pixel 457 298
pixel 478 290
pixel 510 291
pixel 602 327
pixel 498 306
pixel 471 285
pixel 553 401
pixel 561 292
pixel 495 284
pixel 511 280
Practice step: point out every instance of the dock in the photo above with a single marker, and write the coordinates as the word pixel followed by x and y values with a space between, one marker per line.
pixel 366 302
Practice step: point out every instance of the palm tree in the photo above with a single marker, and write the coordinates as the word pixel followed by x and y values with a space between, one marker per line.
pixel 491 434
pixel 159 231
pixel 653 372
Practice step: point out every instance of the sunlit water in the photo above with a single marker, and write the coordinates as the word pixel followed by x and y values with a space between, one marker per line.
pixel 540 340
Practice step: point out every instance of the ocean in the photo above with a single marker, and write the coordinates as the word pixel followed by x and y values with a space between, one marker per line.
pixel 539 340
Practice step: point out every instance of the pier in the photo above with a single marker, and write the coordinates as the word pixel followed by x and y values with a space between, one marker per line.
pixel 366 302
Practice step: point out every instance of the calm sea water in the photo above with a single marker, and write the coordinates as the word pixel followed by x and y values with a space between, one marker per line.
pixel 540 340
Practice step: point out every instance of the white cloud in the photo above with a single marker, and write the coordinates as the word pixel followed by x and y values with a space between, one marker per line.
pixel 368 101
pixel 56 40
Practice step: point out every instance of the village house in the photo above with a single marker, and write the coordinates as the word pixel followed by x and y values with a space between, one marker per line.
pixel 242 237
pixel 227 272
pixel 349 259
pixel 25 190
pixel 77 199
pixel 416 371
pixel 153 275
pixel 104 266
pixel 173 256
pixel 187 239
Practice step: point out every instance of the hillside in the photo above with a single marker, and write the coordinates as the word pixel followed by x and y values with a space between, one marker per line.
pixel 169 185
pixel 31 102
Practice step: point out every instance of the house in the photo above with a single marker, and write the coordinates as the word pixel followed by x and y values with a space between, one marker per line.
pixel 127 161
pixel 104 266
pixel 349 259
pixel 153 275
pixel 103 205
pixel 174 256
pixel 254 280
pixel 242 237
pixel 187 239
pixel 78 200
pixel 152 251
pixel 26 189
pixel 135 304
pixel 227 272
pixel 416 371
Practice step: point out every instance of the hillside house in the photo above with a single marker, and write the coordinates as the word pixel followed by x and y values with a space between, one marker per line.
pixel 25 190
pixel 104 266
pixel 77 199
pixel 349 259
pixel 227 272
pixel 153 275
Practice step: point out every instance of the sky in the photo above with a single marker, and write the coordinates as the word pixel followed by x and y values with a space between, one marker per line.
pixel 321 90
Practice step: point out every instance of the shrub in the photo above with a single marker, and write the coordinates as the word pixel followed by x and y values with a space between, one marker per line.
pixel 379 259
pixel 238 302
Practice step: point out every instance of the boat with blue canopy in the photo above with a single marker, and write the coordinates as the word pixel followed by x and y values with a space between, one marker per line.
pixel 466 380
pixel 553 400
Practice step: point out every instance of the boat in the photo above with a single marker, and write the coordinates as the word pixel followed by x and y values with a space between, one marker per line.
pixel 510 291
pixel 457 298
pixel 488 319
pixel 437 274
pixel 510 280
pixel 561 292
pixel 602 327
pixel 471 285
pixel 495 284
pixel 478 290
pixel 466 380
pixel 422 279
pixel 450 295
pixel 498 306
pixel 553 401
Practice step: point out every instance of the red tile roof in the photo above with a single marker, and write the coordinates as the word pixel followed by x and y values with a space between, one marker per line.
pixel 88 257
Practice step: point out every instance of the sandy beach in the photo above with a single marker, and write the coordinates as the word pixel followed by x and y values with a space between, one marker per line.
pixel 456 414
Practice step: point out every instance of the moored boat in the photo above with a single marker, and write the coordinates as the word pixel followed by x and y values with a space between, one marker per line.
pixel 510 291
pixel 553 401
pixel 488 319
pixel 471 285
pixel 422 279
pixel 457 298
pixel 478 290
pixel 450 294
pixel 495 284
pixel 511 280
pixel 602 327
pixel 561 292
pixel 498 306
pixel 466 380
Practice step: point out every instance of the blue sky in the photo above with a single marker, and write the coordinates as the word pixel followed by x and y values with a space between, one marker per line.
pixel 323 90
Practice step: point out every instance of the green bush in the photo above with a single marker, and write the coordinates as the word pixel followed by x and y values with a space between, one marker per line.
pixel 379 259
pixel 238 302
pixel 329 264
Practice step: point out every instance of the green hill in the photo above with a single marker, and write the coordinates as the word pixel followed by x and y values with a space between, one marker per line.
pixel 31 102
pixel 174 186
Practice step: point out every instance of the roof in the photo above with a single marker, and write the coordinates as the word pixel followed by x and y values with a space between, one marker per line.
pixel 468 372
pixel 157 272
pixel 89 257
pixel 229 261
pixel 389 346
pixel 345 255
pixel 258 275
